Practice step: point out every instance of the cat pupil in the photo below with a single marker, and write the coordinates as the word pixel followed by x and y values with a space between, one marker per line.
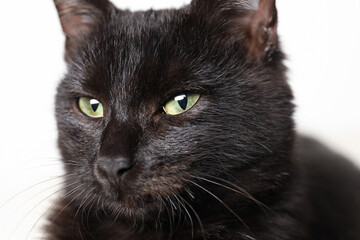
pixel 94 104
pixel 182 100
pixel 94 107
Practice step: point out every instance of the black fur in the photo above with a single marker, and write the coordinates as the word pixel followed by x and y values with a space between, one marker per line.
pixel 232 167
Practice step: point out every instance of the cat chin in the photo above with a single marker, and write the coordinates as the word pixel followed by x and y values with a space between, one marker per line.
pixel 134 209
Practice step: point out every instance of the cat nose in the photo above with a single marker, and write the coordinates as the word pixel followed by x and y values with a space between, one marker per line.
pixel 114 168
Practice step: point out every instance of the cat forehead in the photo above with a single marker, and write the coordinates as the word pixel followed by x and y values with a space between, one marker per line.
pixel 134 50
pixel 128 32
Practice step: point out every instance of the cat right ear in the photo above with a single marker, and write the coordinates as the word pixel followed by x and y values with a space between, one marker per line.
pixel 78 19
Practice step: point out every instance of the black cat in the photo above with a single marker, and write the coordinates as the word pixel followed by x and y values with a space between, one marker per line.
pixel 177 124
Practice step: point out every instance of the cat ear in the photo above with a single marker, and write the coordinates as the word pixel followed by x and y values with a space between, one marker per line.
pixel 78 20
pixel 263 38
pixel 253 22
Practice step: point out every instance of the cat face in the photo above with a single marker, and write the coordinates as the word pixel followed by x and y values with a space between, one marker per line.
pixel 217 62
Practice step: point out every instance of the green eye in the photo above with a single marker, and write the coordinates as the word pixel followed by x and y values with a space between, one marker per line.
pixel 181 103
pixel 91 107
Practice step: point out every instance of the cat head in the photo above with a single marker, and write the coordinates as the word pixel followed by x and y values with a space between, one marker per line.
pixel 156 102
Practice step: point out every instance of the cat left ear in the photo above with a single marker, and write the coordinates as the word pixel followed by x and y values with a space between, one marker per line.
pixel 262 39
pixel 78 19
pixel 253 22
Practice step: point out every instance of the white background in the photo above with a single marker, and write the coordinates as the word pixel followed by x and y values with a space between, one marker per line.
pixel 321 38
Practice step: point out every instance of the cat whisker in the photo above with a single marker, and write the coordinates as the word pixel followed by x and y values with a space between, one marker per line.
pixel 142 223
pixel 89 209
pixel 181 213
pixel 117 216
pixel 36 167
pixel 86 199
pixel 47 210
pixel 83 201
pixel 188 214
pixel 262 145
pixel 238 190
pixel 172 206
pixel 28 188
pixel 97 208
pixel 197 217
pixel 35 206
pixel 169 217
pixel 162 208
pixel 190 194
pixel 177 210
pixel 222 202
pixel 134 225
pixel 161 202
pixel 64 197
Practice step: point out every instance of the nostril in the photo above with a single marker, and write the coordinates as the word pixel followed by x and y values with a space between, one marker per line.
pixel 114 169
pixel 121 172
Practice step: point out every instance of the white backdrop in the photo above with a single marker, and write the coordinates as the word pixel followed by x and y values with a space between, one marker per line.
pixel 320 37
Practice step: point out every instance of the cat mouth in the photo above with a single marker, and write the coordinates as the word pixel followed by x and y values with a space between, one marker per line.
pixel 133 189
pixel 132 204
pixel 137 192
